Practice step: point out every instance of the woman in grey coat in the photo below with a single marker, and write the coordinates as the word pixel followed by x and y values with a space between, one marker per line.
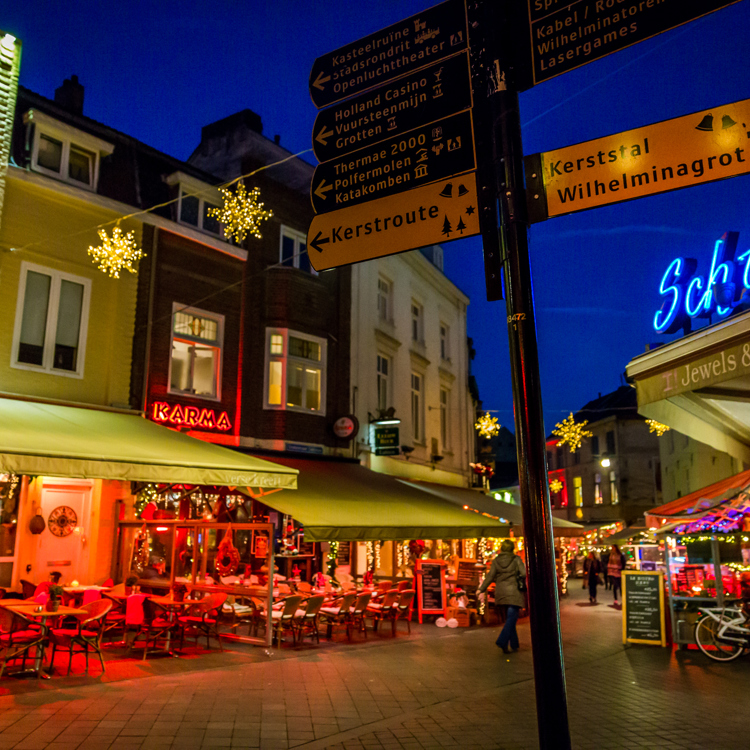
pixel 504 572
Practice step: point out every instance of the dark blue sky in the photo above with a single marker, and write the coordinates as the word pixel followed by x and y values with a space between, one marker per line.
pixel 161 70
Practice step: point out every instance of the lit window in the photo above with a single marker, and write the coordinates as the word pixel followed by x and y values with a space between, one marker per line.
pixel 382 382
pixel 384 299
pixel 417 407
pixel 598 497
pixel 197 341
pixel 444 418
pixel 578 491
pixel 444 341
pixel 293 251
pixel 295 371
pixel 51 321
pixel 614 496
pixel 417 322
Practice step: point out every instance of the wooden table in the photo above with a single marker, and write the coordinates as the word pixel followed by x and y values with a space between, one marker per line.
pixel 30 611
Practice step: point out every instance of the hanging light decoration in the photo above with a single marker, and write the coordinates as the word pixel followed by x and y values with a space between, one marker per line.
pixel 657 427
pixel 487 426
pixel 241 213
pixel 555 485
pixel 116 253
pixel 571 432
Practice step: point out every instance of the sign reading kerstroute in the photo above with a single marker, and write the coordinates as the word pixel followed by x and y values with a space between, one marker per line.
pixel 566 34
pixel 702 147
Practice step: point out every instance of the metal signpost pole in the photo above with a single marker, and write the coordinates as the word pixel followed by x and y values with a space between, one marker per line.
pixel 495 28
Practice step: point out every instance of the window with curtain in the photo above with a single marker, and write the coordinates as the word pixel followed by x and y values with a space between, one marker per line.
pixel 196 358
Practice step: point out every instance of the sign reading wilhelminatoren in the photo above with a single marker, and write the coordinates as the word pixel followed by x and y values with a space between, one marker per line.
pixel 401 48
pixel 566 34
pixel 706 146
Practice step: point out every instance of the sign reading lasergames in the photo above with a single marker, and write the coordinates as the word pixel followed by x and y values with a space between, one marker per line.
pixel 189 416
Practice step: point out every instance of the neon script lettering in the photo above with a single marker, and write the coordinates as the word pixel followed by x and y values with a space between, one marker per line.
pixel 687 295
pixel 189 416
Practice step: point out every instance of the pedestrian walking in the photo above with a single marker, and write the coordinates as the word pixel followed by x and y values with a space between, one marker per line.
pixel 605 562
pixel 615 567
pixel 508 573
pixel 592 569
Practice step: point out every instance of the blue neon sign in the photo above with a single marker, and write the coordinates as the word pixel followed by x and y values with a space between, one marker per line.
pixel 687 295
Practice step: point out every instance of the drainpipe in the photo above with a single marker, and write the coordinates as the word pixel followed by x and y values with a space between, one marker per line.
pixel 149 319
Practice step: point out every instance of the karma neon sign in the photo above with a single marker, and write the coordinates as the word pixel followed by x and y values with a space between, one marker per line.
pixel 189 416
pixel 687 294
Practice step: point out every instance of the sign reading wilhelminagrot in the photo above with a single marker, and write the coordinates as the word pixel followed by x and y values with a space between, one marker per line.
pixel 702 147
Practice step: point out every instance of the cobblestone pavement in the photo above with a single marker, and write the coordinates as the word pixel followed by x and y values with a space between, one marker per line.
pixel 433 689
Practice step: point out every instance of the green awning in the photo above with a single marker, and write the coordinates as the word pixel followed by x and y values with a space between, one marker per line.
pixel 342 500
pixel 67 441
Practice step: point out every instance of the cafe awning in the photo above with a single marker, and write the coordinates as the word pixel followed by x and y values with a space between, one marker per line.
pixel 342 500
pixel 38 438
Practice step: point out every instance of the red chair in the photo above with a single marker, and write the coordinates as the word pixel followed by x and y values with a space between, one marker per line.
pixel 142 617
pixel 381 610
pixel 18 636
pixel 338 614
pixel 87 635
pixel 402 610
pixel 204 619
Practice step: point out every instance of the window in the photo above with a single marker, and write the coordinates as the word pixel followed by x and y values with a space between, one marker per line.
pixel 383 365
pixel 578 491
pixel 384 299
pixel 598 498
pixel 613 494
pixel 193 210
pixel 51 321
pixel 595 445
pixel 417 407
pixel 417 322
pixel 295 371
pixel 444 342
pixel 444 418
pixel 293 251
pixel 611 443
pixel 197 341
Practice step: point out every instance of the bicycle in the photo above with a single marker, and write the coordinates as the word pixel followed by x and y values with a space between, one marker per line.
pixel 722 633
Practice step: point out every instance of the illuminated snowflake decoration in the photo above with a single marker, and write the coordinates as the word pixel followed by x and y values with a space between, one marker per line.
pixel 657 427
pixel 241 213
pixel 571 432
pixel 116 253
pixel 487 426
pixel 555 485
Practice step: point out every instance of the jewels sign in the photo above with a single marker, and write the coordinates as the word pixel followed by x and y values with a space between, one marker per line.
pixel 702 147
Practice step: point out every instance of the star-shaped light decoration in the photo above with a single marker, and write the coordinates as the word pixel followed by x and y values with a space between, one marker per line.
pixel 241 213
pixel 487 426
pixel 555 485
pixel 657 427
pixel 116 253
pixel 571 432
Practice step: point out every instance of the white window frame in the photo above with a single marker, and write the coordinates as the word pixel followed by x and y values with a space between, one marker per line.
pixel 53 303
pixel 445 342
pixel 385 299
pixel 68 136
pixel 614 495
pixel 299 239
pixel 219 319
pixel 284 358
pixel 190 186
pixel 445 431
pixel 417 322
pixel 417 420
pixel 383 378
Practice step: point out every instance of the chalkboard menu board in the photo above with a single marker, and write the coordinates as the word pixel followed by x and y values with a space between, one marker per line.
pixel 430 587
pixel 643 607
pixel 343 554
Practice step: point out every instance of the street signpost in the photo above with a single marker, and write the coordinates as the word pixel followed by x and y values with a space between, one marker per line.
pixel 403 47
pixel 565 34
pixel 430 94
pixel 705 146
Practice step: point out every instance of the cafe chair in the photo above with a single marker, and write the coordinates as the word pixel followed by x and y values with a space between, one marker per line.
pixel 115 618
pixel 144 621
pixel 359 612
pixel 306 619
pixel 402 610
pixel 283 619
pixel 86 636
pixel 28 589
pixel 18 637
pixel 203 619
pixel 334 614
pixel 381 610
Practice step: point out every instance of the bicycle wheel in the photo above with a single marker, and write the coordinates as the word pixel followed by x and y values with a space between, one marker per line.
pixel 707 638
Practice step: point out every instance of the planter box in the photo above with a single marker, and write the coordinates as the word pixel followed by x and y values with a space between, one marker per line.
pixel 463 616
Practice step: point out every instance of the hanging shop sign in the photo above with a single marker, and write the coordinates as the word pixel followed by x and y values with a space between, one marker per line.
pixel 702 147
pixel 346 428
pixel 192 417
pixel 643 608
pixel 386 441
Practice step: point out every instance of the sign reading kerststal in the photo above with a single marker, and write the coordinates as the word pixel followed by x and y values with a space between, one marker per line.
pixel 702 147
pixel 435 213
pixel 566 34
pixel 403 47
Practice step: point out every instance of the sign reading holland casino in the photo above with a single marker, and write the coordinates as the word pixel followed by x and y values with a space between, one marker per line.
pixel 702 147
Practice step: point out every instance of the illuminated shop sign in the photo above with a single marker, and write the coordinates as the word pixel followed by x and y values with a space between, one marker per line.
pixel 687 294
pixel 189 416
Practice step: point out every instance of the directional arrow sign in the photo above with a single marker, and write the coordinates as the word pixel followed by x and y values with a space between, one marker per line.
pixel 430 94
pixel 405 46
pixel 431 214
pixel 432 152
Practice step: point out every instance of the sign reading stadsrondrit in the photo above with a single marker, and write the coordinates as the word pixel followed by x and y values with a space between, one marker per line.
pixel 429 94
pixel 702 147
pixel 403 47
pixel 566 34
pixel 428 215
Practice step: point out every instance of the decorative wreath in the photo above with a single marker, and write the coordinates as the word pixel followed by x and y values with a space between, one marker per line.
pixel 227 556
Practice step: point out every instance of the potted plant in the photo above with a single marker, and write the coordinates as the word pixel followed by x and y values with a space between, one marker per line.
pixel 178 592
pixel 130 583
pixel 55 594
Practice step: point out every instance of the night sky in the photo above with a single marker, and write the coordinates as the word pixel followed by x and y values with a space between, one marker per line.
pixel 160 70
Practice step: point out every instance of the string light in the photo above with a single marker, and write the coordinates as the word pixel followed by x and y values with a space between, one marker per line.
pixel 487 426
pixel 555 485
pixel 116 253
pixel 571 432
pixel 241 213
pixel 657 427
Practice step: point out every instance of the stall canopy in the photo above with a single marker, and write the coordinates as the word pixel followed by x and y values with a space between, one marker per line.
pixel 488 506
pixel 342 500
pixel 67 441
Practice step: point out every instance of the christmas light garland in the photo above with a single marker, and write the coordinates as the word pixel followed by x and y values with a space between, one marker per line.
pixel 657 427
pixel 241 213
pixel 571 432
pixel 487 426
pixel 116 253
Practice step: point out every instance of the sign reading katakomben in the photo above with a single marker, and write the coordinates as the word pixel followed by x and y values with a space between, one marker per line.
pixel 702 147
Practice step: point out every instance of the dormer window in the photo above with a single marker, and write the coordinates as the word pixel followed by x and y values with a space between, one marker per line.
pixel 67 153
pixel 196 198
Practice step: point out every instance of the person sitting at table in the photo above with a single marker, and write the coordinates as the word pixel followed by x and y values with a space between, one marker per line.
pixel 155 571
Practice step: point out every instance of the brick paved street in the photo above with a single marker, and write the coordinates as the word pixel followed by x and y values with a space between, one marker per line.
pixel 436 688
